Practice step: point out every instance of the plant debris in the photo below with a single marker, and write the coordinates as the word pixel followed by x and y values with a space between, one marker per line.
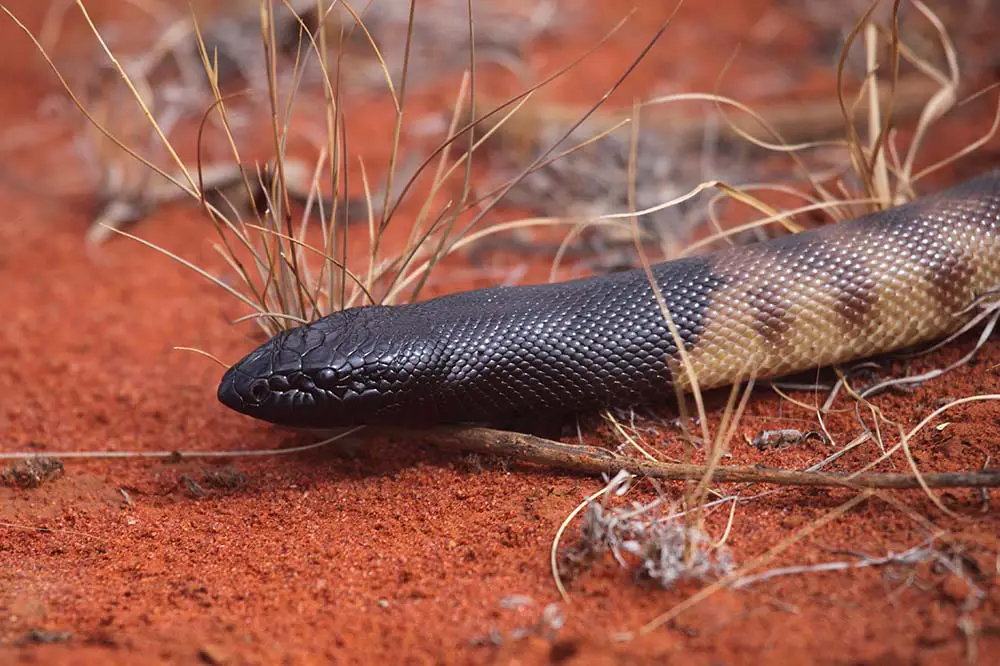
pixel 226 480
pixel 32 473
pixel 46 637
pixel 550 621
pixel 650 538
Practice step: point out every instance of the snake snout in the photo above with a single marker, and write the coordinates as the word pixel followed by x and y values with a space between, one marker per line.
pixel 244 386
pixel 326 373
pixel 238 391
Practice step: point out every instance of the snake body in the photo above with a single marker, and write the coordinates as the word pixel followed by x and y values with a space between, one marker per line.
pixel 841 292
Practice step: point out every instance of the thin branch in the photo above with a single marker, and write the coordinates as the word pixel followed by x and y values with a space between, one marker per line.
pixel 593 460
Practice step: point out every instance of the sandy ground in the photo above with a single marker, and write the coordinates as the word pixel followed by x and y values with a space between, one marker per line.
pixel 391 548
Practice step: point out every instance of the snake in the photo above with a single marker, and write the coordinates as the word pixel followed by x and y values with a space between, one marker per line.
pixel 836 293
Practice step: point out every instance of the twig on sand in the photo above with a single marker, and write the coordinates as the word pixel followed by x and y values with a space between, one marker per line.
pixel 595 460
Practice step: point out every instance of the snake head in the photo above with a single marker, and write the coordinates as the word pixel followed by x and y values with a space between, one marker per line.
pixel 337 371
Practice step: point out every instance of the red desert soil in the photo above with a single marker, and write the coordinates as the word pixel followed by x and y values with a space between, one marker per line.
pixel 393 551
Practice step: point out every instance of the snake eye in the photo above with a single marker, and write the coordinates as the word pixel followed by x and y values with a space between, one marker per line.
pixel 326 378
pixel 259 390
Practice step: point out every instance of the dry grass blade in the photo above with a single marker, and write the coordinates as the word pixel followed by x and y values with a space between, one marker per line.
pixel 554 550
pixel 178 455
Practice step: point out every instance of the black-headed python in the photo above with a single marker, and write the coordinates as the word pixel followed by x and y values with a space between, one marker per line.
pixel 841 292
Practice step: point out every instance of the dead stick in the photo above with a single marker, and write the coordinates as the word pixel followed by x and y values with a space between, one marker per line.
pixel 593 460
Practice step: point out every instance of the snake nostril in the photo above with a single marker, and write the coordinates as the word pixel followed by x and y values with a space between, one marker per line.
pixel 259 390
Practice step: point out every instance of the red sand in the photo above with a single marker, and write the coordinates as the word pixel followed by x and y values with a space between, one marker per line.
pixel 398 549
